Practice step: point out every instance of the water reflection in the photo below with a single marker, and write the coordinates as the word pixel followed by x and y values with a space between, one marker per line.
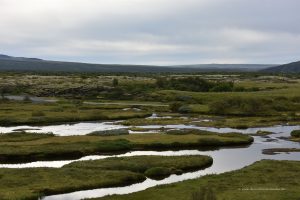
pixel 274 129
pixel 224 160
pixel 84 128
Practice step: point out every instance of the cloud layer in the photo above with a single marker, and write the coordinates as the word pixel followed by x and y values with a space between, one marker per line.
pixel 152 31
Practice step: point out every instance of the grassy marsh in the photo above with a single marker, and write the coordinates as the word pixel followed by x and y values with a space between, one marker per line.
pixel 34 182
pixel 70 147
pixel 265 180
pixel 18 113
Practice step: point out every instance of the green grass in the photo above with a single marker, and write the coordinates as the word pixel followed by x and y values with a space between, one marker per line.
pixel 53 148
pixel 261 177
pixel 295 133
pixel 148 164
pixel 22 136
pixel 73 90
pixel 281 100
pixel 34 182
pixel 289 91
pixel 31 183
pixel 18 113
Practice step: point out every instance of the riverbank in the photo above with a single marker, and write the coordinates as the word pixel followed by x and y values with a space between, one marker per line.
pixel 33 183
pixel 265 180
pixel 74 147
pixel 274 151
pixel 13 113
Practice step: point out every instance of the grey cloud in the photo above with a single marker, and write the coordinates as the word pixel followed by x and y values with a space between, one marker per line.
pixel 152 31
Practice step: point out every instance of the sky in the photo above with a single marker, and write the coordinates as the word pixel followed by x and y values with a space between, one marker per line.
pixel 160 32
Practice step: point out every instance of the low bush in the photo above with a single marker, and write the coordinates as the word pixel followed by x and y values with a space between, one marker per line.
pixel 175 106
pixel 195 84
pixel 241 106
pixel 158 172
pixel 295 133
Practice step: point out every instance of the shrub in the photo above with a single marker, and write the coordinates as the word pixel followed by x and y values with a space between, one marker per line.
pixel 195 84
pixel 223 87
pixel 115 82
pixel 241 106
pixel 158 172
pixel 295 133
pixel 174 107
pixel 184 109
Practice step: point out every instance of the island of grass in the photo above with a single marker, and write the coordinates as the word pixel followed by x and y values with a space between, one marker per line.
pixel 264 180
pixel 273 151
pixel 32 183
pixel 212 120
pixel 295 136
pixel 20 113
pixel 52 147
pixel 295 133
pixel 262 133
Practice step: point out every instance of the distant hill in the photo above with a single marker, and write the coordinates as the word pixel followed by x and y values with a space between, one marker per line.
pixel 9 63
pixel 6 57
pixel 293 67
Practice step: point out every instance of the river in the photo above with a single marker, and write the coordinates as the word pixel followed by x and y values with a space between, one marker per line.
pixel 224 159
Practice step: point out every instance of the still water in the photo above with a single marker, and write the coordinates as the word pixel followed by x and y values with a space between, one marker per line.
pixel 225 159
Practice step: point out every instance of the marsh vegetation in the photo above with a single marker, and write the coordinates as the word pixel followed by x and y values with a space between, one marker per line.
pixel 146 112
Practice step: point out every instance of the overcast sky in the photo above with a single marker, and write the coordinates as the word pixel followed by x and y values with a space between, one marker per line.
pixel 159 32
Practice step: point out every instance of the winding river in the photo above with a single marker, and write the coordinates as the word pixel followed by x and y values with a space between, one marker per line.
pixel 225 159
pixel 84 128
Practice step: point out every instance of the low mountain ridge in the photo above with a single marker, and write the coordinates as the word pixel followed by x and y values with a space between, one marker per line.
pixel 293 67
pixel 9 63
pixel 6 57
